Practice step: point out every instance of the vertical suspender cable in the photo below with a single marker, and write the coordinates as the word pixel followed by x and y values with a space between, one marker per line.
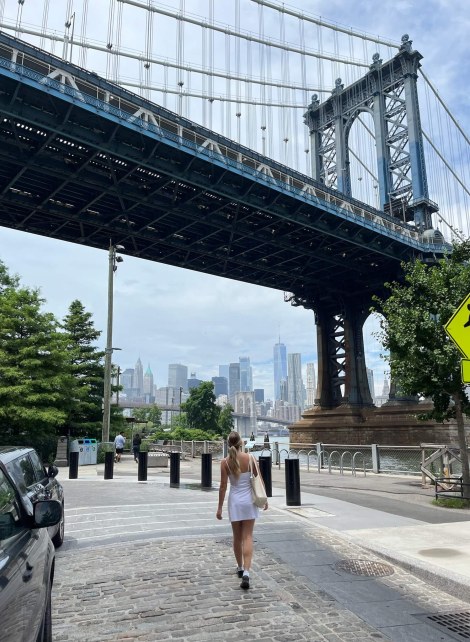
pixel 109 42
pixel 204 35
pixel 237 63
pixel 211 64
pixel 45 16
pixel 262 59
pixel 228 86
pixel 82 58
pixel 117 40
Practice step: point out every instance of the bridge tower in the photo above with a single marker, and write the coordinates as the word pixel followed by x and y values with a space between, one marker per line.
pixel 388 93
pixel 245 405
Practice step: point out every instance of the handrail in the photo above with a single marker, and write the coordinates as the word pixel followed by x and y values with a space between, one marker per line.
pixel 330 457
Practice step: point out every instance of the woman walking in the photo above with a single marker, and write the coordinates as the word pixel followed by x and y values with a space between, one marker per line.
pixel 241 510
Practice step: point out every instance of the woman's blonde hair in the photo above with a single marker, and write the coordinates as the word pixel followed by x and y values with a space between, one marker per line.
pixel 235 444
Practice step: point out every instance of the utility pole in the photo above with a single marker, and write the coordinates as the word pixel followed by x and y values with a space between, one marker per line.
pixel 114 259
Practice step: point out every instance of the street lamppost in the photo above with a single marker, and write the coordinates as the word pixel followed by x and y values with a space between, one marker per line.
pixel 114 259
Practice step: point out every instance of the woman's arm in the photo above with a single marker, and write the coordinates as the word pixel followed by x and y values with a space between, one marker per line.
pixel 222 488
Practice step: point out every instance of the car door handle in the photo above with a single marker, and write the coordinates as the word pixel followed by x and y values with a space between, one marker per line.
pixel 28 574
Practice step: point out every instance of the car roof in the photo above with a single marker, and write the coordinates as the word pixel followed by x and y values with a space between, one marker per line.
pixel 8 453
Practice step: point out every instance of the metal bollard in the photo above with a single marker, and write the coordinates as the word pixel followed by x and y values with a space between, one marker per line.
pixel 292 482
pixel 108 465
pixel 174 468
pixel 265 463
pixel 142 466
pixel 206 470
pixel 73 465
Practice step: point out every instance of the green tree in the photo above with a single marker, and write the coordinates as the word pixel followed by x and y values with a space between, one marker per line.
pixel 226 422
pixel 35 380
pixel 84 408
pixel 152 416
pixel 201 410
pixel 423 360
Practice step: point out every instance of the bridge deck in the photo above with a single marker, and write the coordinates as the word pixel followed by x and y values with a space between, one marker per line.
pixel 84 161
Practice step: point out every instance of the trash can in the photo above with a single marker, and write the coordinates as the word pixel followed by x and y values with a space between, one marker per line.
pixel 87 450
pixel 93 456
pixel 78 446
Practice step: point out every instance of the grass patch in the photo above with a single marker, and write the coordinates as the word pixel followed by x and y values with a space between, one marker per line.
pixel 452 502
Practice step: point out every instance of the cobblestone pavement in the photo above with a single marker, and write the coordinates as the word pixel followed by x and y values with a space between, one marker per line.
pixel 187 590
pixel 180 585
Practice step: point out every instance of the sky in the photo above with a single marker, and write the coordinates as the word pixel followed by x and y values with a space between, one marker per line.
pixel 168 315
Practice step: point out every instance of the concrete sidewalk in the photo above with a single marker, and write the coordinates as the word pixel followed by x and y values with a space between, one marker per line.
pixel 436 552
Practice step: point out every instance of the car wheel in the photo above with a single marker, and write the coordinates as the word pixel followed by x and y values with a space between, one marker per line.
pixel 58 538
pixel 45 634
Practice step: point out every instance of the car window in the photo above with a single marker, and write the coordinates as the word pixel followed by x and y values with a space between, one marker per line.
pixel 22 471
pixel 10 521
pixel 38 466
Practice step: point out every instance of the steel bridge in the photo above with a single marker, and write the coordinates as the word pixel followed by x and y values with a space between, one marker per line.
pixel 83 160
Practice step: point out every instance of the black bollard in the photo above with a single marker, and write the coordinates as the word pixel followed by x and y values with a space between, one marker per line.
pixel 142 467
pixel 73 465
pixel 265 470
pixel 292 482
pixel 108 464
pixel 206 470
pixel 174 469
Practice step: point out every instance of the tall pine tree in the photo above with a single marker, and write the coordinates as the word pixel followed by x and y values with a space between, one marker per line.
pixel 84 408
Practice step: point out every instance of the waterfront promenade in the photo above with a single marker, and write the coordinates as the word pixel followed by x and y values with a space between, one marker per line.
pixel 143 561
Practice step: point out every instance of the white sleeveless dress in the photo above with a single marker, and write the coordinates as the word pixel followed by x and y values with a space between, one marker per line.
pixel 240 503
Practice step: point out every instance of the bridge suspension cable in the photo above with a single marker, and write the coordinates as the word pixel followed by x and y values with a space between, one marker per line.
pixel 300 15
pixel 244 36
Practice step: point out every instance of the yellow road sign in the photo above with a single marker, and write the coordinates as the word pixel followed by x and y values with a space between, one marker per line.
pixel 465 369
pixel 458 327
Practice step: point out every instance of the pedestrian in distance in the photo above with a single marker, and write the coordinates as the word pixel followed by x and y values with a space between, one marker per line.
pixel 119 442
pixel 266 440
pixel 242 512
pixel 252 437
pixel 136 446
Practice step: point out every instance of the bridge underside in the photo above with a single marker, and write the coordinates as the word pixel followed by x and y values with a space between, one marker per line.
pixel 69 174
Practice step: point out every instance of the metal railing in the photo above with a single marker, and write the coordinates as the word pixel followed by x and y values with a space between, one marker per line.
pixel 398 460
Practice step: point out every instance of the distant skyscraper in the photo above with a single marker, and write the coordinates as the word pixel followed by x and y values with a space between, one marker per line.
pixel 233 381
pixel 294 380
pixel 246 375
pixel 259 395
pixel 220 386
pixel 193 382
pixel 370 380
pixel 223 371
pixel 280 368
pixel 139 377
pixel 148 382
pixel 311 385
pixel 127 379
pixel 283 391
pixel 178 376
pixel 384 397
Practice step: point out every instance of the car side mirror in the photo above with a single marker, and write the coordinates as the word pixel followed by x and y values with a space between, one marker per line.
pixel 47 513
pixel 52 471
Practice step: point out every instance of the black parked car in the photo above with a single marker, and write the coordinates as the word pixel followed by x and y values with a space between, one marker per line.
pixel 31 501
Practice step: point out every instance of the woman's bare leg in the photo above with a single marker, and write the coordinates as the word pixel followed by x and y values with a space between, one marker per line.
pixel 238 542
pixel 247 542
